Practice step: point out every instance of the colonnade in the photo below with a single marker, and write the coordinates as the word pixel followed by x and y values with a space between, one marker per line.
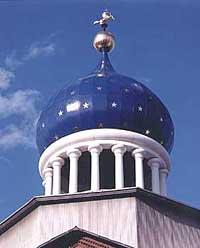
pixel 52 174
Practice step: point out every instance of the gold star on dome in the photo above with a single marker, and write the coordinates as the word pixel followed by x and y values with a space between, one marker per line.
pixel 126 90
pixel 76 129
pixel 100 125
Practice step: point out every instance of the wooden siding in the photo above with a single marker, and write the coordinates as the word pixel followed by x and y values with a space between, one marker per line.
pixel 113 218
pixel 159 227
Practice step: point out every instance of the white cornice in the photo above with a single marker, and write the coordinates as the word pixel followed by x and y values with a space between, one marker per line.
pixel 106 138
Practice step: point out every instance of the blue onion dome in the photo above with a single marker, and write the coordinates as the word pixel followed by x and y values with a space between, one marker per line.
pixel 105 99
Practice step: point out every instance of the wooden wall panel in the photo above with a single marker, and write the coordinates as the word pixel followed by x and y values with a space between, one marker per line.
pixel 23 234
pixel 165 229
pixel 113 218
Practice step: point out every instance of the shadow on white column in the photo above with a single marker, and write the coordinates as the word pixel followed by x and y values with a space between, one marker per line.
pixel 163 181
pixel 119 151
pixel 139 169
pixel 73 155
pixel 155 165
pixel 95 151
pixel 48 180
pixel 57 164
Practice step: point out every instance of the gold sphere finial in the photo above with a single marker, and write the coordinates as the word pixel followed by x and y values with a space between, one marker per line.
pixel 104 41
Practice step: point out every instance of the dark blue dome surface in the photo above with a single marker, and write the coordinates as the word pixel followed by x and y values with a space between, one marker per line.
pixel 105 99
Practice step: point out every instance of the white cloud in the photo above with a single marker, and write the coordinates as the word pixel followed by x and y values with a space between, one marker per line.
pixel 35 50
pixel 40 49
pixel 22 104
pixel 6 78
pixel 19 110
pixel 13 136
pixel 12 62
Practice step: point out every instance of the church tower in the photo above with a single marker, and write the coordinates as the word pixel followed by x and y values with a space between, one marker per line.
pixel 104 143
pixel 104 131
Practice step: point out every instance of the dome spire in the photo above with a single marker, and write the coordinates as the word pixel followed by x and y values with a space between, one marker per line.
pixel 106 17
pixel 104 41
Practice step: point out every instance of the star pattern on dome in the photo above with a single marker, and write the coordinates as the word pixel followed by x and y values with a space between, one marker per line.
pixel 72 92
pixel 100 74
pixel 76 129
pixel 114 104
pixel 126 90
pixel 147 132
pixel 100 125
pixel 60 113
pixel 86 105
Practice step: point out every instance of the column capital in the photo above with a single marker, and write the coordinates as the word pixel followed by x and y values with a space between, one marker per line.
pixel 57 161
pixel 95 148
pixel 138 153
pixel 164 171
pixel 155 162
pixel 74 153
pixel 119 148
pixel 48 172
pixel 44 183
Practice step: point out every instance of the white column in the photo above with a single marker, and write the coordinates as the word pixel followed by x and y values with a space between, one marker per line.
pixel 155 164
pixel 73 155
pixel 95 150
pixel 139 171
pixel 48 179
pixel 163 181
pixel 57 164
pixel 119 151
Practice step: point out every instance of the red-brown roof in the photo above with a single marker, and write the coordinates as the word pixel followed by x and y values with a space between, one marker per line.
pixel 79 238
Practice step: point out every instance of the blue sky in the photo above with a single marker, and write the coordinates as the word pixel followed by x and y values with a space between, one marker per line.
pixel 46 44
